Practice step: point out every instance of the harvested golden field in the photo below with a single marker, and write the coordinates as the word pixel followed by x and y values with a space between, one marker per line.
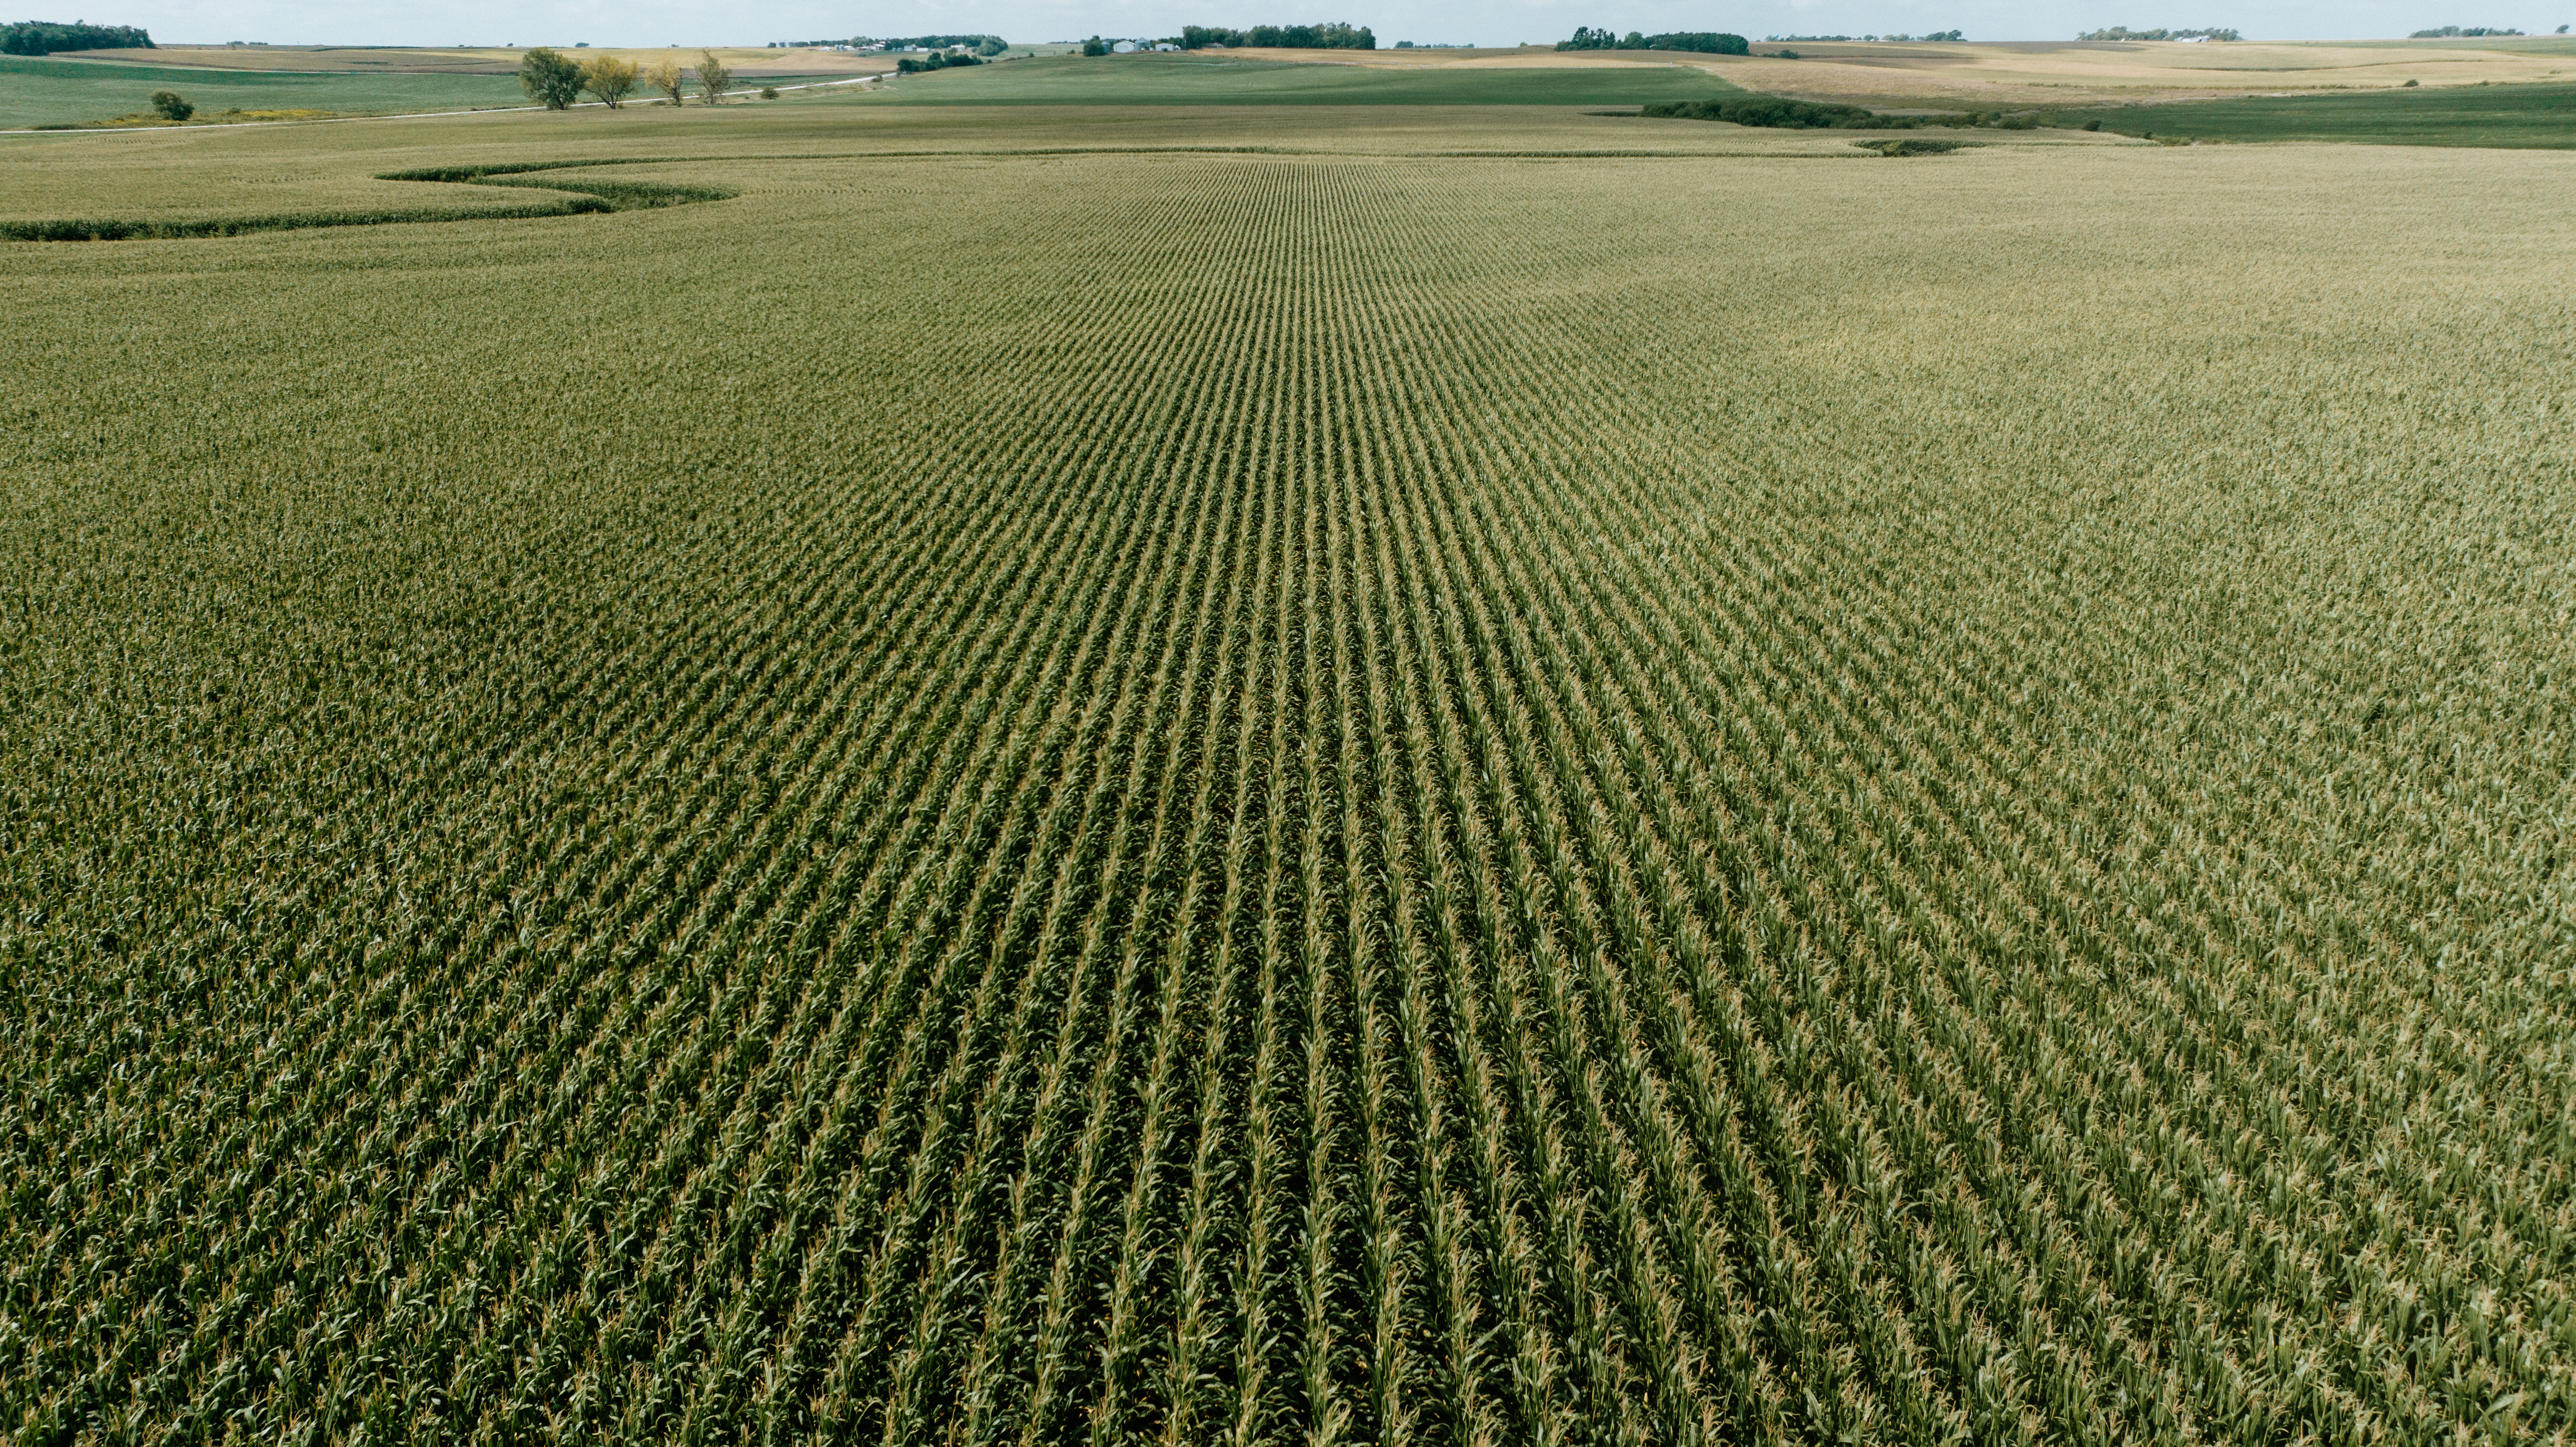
pixel 2040 73
pixel 1052 777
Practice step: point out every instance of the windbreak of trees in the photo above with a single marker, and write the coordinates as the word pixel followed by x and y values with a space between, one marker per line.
pixel 2464 31
pixel 1766 110
pixel 1778 111
pixel 1703 42
pixel 1335 36
pixel 556 80
pixel 936 60
pixel 2122 32
pixel 980 44
pixel 44 37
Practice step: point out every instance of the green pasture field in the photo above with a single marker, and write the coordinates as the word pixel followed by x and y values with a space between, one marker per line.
pixel 1365 775
pixel 38 92
pixel 2519 116
pixel 1197 78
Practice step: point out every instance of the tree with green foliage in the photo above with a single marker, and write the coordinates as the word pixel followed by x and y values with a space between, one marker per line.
pixel 170 106
pixel 550 78
pixel 713 76
pixel 609 78
pixel 1094 46
pixel 942 60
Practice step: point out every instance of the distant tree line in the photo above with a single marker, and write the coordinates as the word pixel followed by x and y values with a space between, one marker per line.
pixel 1335 36
pixel 1703 42
pixel 2122 32
pixel 1952 36
pixel 44 37
pixel 2448 32
pixel 980 44
pixel 937 60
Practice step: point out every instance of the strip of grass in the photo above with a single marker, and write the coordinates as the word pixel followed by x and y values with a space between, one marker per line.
pixel 114 230
pixel 1187 80
pixel 586 197
pixel 2513 116
pixel 612 195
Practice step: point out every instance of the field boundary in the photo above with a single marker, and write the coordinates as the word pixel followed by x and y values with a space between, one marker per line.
pixel 601 197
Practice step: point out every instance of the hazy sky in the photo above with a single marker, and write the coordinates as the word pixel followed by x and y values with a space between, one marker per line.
pixel 1506 22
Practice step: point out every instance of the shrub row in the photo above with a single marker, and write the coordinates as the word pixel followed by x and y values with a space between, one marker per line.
pixel 1777 112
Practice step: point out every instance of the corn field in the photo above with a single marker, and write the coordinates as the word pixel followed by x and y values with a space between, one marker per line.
pixel 1302 799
